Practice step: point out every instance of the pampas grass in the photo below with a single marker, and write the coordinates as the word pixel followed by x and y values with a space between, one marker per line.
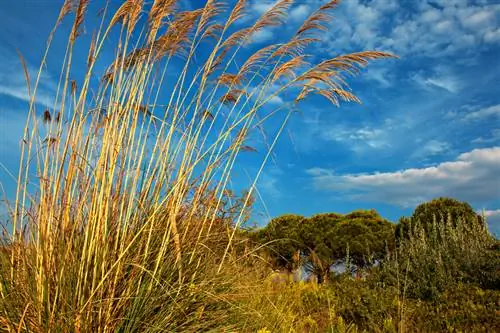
pixel 128 230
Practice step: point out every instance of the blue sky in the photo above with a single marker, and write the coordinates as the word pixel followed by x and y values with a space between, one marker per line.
pixel 429 124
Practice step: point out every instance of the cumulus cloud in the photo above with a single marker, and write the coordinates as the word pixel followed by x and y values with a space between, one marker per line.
pixel 472 177
pixel 262 36
pixel 424 28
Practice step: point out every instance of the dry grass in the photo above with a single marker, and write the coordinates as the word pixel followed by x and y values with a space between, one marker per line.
pixel 128 230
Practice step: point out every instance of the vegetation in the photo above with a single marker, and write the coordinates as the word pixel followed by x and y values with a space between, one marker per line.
pixel 450 272
pixel 123 220
pixel 358 240
pixel 442 210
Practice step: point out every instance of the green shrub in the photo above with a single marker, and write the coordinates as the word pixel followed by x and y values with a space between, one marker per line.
pixel 464 308
pixel 370 308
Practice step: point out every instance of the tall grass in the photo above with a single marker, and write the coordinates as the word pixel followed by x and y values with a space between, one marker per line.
pixel 127 229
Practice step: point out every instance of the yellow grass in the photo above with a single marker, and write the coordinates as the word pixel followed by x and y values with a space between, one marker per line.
pixel 128 229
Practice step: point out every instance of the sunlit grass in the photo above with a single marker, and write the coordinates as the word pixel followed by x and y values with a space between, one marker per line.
pixel 128 229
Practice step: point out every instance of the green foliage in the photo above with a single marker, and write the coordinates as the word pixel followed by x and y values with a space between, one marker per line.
pixel 440 210
pixel 318 238
pixel 365 234
pixel 368 307
pixel 293 307
pixel 325 239
pixel 430 260
pixel 283 240
pixel 463 308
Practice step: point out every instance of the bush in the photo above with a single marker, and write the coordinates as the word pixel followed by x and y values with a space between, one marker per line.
pixel 464 308
pixel 368 306
pixel 431 259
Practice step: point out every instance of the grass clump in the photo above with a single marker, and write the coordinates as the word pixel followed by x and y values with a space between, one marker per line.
pixel 122 219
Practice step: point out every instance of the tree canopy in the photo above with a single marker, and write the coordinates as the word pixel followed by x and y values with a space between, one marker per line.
pixel 283 240
pixel 324 240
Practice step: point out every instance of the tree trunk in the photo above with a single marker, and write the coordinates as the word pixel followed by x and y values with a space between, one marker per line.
pixel 323 276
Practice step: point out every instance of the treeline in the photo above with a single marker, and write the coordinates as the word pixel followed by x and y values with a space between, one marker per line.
pixel 437 270
pixel 360 239
pixel 357 240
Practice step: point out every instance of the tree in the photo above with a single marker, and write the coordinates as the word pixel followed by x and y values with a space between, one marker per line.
pixel 324 240
pixel 366 235
pixel 318 239
pixel 330 237
pixel 282 238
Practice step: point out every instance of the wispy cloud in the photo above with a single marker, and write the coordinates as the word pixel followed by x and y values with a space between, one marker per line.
pixel 269 187
pixel 12 125
pixel 357 138
pixel 13 82
pixel 445 81
pixel 431 148
pixel 494 137
pixel 473 177
pixel 491 111
pixel 491 213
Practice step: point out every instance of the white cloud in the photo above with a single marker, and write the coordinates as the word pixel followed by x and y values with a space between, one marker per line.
pixel 492 36
pixel 262 6
pixel 380 75
pixel 472 177
pixel 13 81
pixel 443 80
pixel 432 148
pixel 490 213
pixel 358 139
pixel 481 19
pixel 299 13
pixel 421 29
pixel 490 111
pixel 277 100
pixel 262 36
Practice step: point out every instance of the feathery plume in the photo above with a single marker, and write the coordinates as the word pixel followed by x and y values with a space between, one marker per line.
pixel 273 16
pixel 160 10
pixel 128 13
pixel 47 118
pixel 65 10
pixel 317 20
pixel 237 12
pixel 79 17
pixel 288 68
